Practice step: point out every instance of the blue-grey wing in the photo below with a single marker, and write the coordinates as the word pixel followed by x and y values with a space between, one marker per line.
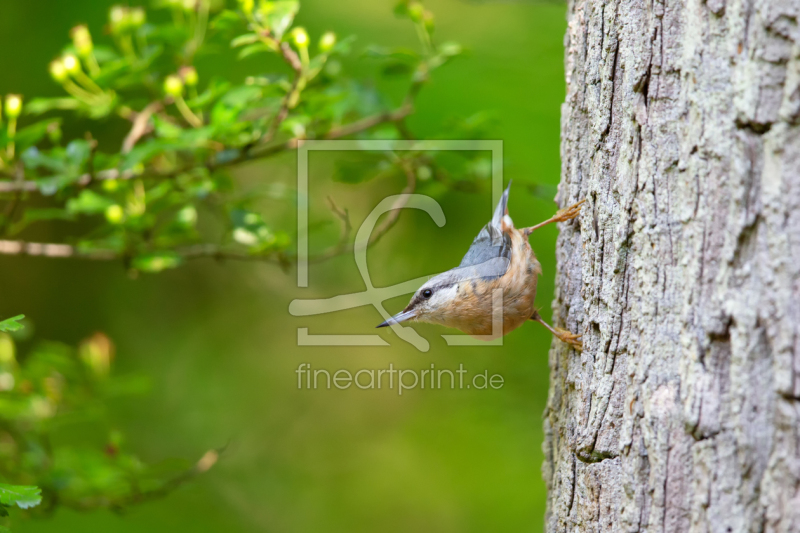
pixel 491 244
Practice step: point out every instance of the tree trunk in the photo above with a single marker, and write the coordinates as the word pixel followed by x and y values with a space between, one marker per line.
pixel 681 127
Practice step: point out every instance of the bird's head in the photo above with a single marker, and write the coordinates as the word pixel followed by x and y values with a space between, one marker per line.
pixel 456 297
pixel 434 302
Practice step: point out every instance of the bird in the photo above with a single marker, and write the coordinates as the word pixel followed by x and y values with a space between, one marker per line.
pixel 500 257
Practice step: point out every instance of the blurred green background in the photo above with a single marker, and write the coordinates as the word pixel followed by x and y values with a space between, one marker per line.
pixel 219 344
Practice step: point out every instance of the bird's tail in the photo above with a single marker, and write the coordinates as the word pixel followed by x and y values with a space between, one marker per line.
pixel 501 210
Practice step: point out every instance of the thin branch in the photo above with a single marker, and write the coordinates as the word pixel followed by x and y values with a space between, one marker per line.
pixel 198 251
pixel 205 463
pixel 290 56
pixel 141 126
pixel 52 250
pixel 391 219
pixel 11 207
pixel 254 154
pixel 400 203
pixel 344 216
pixel 136 497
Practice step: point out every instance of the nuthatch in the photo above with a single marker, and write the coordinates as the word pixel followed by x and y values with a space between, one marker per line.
pixel 500 258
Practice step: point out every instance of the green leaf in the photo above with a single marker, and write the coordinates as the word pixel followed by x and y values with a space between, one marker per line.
pixel 104 54
pixel 33 214
pixel 249 50
pixel 280 15
pixel 78 152
pixel 23 496
pixel 227 109
pixel 401 8
pixel 52 184
pixel 406 55
pixel 226 20
pixel 451 49
pixel 89 202
pixel 11 324
pixel 53 160
pixel 30 135
pixel 358 171
pixel 396 68
pixel 37 106
pixel 344 46
pixel 247 38
pixel 166 130
pixel 156 261
pixel 146 151
pixel 216 87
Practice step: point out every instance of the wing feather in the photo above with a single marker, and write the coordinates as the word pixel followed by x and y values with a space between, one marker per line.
pixel 491 244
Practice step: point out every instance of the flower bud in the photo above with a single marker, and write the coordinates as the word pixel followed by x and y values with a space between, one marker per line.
pixel 173 85
pixel 300 37
pixel 137 17
pixel 247 6
pixel 207 461
pixel 7 381
pixel 429 21
pixel 115 214
pixel 7 350
pixel 13 105
pixel 424 173
pixel 327 41
pixel 117 18
pixel 189 75
pixel 58 71
pixel 415 11
pixel 54 132
pixel 82 40
pixel 97 353
pixel 71 64
pixel 187 216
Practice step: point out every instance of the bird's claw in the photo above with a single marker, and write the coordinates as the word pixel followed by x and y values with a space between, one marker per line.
pixel 568 213
pixel 569 338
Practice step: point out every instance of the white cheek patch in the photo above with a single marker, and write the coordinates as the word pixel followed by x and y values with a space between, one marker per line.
pixel 507 222
pixel 441 301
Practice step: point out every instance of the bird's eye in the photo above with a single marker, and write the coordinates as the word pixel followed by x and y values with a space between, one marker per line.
pixel 427 293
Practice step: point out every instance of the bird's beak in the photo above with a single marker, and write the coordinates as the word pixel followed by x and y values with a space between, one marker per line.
pixel 402 316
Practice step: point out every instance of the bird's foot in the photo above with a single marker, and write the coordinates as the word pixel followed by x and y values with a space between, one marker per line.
pixel 569 338
pixel 568 213
pixel 561 334
pixel 562 215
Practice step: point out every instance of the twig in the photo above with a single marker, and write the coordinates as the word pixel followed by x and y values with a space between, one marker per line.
pixel 141 126
pixel 291 58
pixel 254 154
pixel 11 207
pixel 203 465
pixel 136 497
pixel 400 203
pixel 52 250
pixel 391 219
pixel 57 250
pixel 344 216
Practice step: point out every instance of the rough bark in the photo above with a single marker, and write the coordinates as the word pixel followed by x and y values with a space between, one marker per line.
pixel 681 127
